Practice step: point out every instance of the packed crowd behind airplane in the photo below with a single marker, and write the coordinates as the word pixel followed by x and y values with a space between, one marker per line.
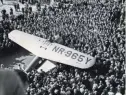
pixel 93 28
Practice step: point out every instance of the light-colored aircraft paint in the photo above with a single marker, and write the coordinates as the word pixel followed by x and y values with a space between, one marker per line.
pixel 52 51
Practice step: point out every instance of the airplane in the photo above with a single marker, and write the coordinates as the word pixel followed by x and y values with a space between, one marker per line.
pixel 52 52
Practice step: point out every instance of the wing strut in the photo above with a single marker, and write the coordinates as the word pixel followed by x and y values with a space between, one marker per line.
pixel 32 64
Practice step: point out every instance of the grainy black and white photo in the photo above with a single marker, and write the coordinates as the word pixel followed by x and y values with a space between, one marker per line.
pixel 62 47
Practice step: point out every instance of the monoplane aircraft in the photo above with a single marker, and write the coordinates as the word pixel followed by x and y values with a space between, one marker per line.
pixel 53 52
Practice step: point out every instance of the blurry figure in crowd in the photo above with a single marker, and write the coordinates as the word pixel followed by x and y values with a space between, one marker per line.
pixel 2 66
pixel 4 14
pixel 38 6
pixel 17 7
pixel 23 76
pixel 1 34
pixel 11 11
pixel 2 1
pixel 10 83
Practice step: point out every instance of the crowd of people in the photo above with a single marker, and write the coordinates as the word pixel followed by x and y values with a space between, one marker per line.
pixel 95 28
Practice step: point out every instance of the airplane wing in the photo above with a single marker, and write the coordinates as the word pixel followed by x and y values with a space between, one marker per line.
pixel 51 51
